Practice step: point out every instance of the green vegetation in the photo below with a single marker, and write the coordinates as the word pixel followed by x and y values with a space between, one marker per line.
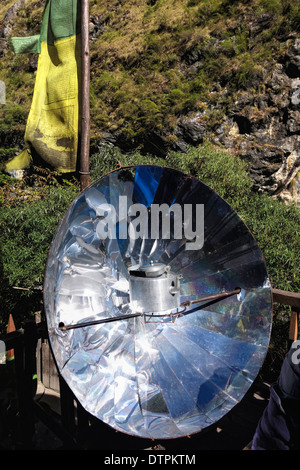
pixel 30 211
pixel 152 61
pixel 147 58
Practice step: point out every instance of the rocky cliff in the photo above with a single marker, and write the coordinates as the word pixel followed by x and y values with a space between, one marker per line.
pixel 262 126
pixel 166 75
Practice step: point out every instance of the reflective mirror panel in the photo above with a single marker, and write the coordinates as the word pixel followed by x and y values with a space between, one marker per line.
pixel 155 378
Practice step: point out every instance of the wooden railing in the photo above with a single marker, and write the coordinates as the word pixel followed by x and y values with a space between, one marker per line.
pixel 33 359
pixel 293 300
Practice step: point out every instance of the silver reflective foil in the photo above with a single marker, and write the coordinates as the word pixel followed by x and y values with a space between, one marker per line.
pixel 156 379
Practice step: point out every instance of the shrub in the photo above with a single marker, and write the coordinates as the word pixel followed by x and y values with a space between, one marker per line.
pixel 28 220
pixel 12 117
pixel 276 228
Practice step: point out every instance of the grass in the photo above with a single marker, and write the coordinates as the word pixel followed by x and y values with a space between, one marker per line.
pixel 140 81
pixel 166 31
pixel 30 211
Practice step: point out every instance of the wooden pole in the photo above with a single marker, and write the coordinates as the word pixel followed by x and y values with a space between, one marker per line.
pixel 293 333
pixel 85 96
pixel 10 328
pixel 292 299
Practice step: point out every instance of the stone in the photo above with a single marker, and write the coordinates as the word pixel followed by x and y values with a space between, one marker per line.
pixel 292 60
pixel 2 92
pixel 6 27
pixel 293 122
pixel 295 99
pixel 191 129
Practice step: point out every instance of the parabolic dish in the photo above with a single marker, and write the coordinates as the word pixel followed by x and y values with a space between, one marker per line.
pixel 160 377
